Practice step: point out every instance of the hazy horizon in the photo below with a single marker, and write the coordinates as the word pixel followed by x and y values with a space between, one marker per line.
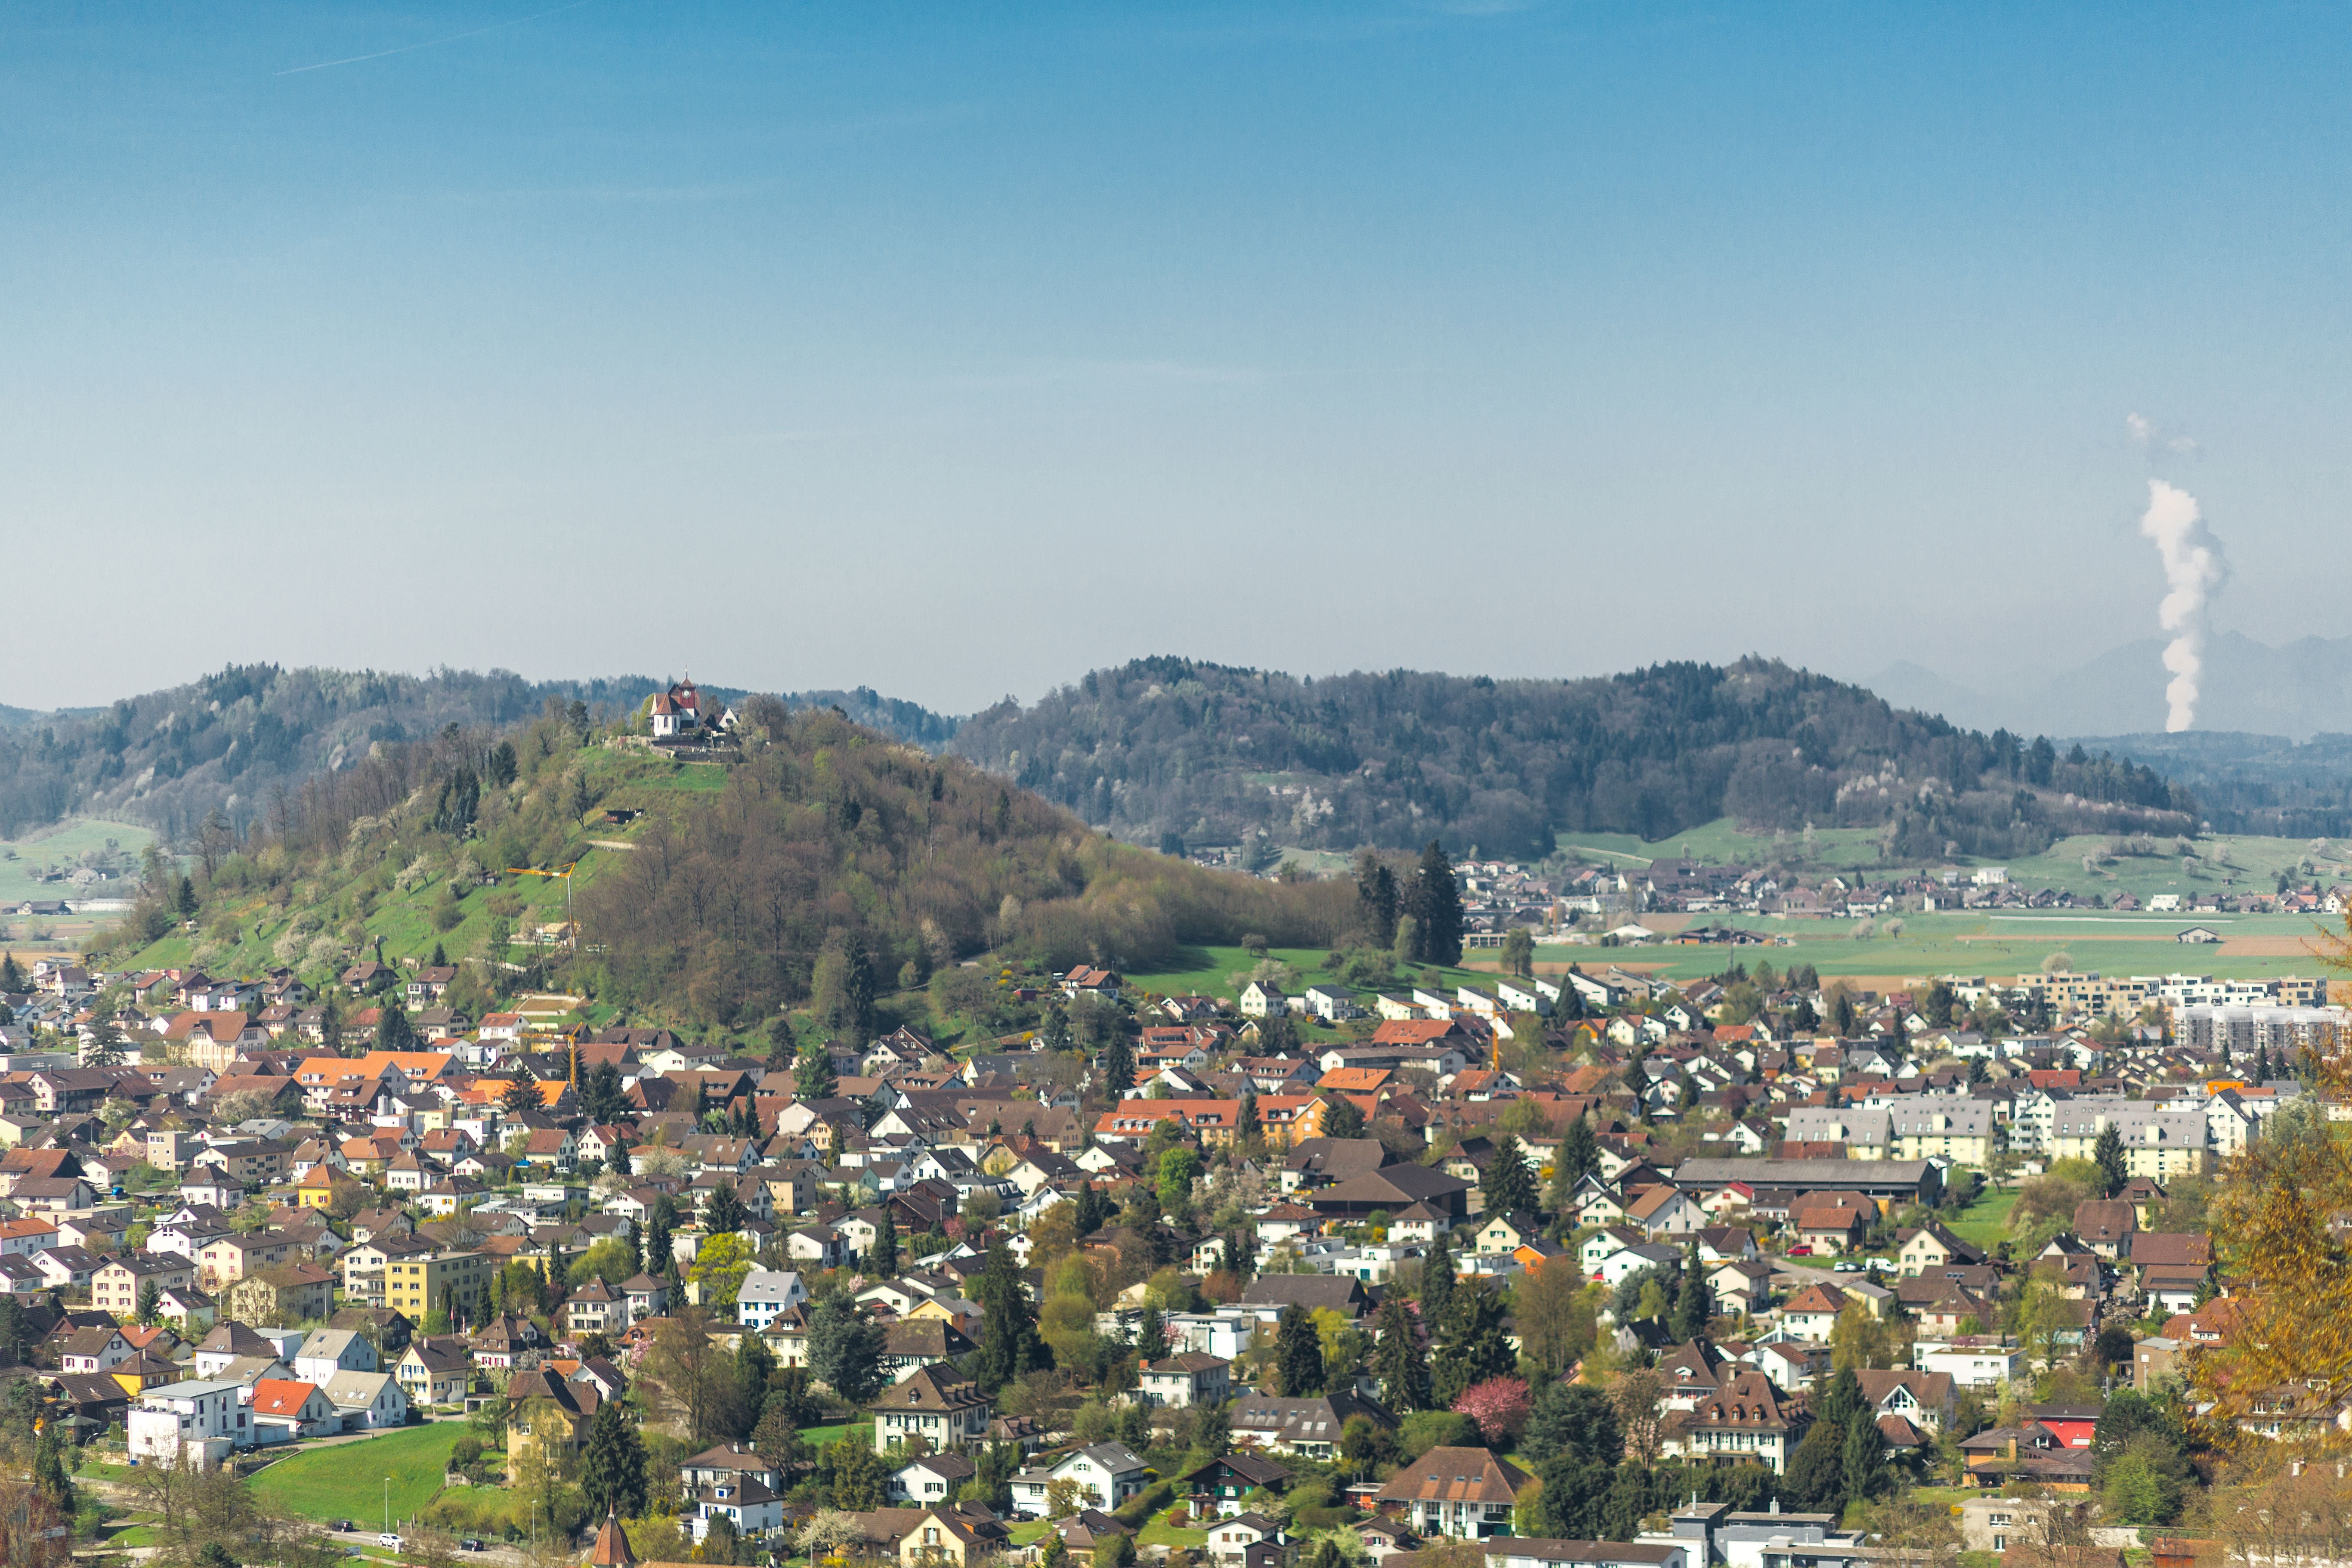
pixel 954 354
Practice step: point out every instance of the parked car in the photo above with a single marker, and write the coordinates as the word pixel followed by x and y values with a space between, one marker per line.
pixel 344 1524
pixel 389 1540
pixel 471 1543
pixel 1845 1268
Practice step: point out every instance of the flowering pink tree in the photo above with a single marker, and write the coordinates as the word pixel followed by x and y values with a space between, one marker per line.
pixel 1500 1405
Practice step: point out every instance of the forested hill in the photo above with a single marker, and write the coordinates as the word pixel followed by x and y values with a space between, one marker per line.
pixel 816 861
pixel 1168 748
pixel 235 741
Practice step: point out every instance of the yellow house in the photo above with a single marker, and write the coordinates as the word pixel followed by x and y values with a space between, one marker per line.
pixel 316 1190
pixel 942 1537
pixel 937 1307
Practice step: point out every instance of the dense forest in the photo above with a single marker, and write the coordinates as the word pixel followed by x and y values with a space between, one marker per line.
pixel 825 861
pixel 236 740
pixel 1168 751
pixel 2255 783
pixel 830 836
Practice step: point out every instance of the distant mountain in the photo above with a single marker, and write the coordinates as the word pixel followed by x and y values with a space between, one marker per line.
pixel 2299 690
pixel 1163 751
pixel 233 740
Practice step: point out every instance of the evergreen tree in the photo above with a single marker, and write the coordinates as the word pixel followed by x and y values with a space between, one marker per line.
pixel 2107 1153
pixel 49 1473
pixel 1094 1210
pixel 393 1030
pixel 440 960
pixel 1054 1552
pixel 1298 1354
pixel 1009 1344
pixel 1842 1401
pixel 151 1302
pixel 845 1348
pixel 613 1463
pixel 1471 1347
pixel 520 1096
pixel 1693 1302
pixel 602 1094
pixel 1863 1458
pixel 107 1045
pixel 659 1226
pixel 1397 1361
pixel 884 1263
pixel 1815 1477
pixel 723 1213
pixel 1579 1155
pixel 1342 1117
pixel 1507 1182
pixel 1117 1063
pixel 1575 1419
pixel 1435 905
pixel 1150 1335
pixel 12 975
pixel 813 1076
pixel 1574 1491
pixel 1625 1504
pixel 1376 899
pixel 1436 1294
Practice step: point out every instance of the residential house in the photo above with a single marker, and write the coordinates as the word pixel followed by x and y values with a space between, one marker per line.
pixel 1103 1474
pixel 934 1403
pixel 1467 1493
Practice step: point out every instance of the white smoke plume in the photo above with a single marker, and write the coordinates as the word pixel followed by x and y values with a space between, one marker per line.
pixel 2193 568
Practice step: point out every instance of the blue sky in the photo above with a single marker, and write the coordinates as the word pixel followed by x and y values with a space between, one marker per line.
pixel 956 349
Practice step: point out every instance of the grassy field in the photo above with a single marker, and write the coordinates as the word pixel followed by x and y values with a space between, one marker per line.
pixel 1158 1531
pixel 64 847
pixel 1995 944
pixel 346 1480
pixel 2225 862
pixel 825 1436
pixel 1985 1221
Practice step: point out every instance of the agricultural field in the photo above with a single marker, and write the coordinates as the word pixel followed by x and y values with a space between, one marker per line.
pixel 1996 944
pixel 2225 863
pixel 115 846
pixel 346 1481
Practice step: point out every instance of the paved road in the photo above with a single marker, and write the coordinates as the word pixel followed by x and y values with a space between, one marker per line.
pixel 498 1556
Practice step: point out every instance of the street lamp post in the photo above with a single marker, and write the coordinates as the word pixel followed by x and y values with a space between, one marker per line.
pixel 387 1505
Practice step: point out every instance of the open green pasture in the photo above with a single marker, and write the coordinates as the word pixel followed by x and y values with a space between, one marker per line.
pixel 64 847
pixel 1996 944
pixel 2223 863
pixel 346 1481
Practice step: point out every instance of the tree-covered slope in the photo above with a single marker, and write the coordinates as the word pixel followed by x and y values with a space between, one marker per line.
pixel 824 859
pixel 233 742
pixel 1169 748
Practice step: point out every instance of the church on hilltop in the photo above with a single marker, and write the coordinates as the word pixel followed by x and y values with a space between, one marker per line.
pixel 681 714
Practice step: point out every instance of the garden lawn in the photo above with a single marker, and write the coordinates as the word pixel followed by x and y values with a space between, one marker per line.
pixel 1158 1531
pixel 1984 1222
pixel 347 1480
pixel 825 1436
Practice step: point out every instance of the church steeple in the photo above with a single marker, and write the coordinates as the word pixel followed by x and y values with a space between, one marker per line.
pixel 612 1548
